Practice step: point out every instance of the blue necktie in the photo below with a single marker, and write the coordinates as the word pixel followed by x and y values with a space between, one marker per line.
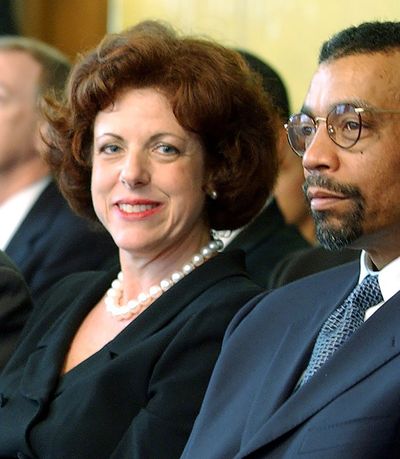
pixel 342 323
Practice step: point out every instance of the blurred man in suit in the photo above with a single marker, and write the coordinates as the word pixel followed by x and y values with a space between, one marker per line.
pixel 312 370
pixel 38 230
pixel 15 306
pixel 285 224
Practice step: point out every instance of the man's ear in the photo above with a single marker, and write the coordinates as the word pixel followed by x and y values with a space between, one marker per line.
pixel 40 134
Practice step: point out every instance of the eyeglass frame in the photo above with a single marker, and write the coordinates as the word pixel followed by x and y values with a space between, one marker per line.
pixel 316 120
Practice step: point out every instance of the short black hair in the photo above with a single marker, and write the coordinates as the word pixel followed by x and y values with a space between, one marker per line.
pixel 366 38
pixel 271 81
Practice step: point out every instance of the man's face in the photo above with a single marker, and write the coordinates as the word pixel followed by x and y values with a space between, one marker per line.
pixel 19 78
pixel 354 193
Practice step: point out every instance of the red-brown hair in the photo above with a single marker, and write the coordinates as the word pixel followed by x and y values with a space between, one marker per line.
pixel 212 92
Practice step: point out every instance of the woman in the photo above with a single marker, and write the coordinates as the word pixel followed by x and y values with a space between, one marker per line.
pixel 161 139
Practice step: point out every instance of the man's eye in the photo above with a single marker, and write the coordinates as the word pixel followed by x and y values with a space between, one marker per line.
pixel 306 131
pixel 351 126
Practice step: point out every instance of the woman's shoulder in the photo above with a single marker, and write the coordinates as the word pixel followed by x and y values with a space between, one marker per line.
pixel 219 287
pixel 75 288
pixel 228 272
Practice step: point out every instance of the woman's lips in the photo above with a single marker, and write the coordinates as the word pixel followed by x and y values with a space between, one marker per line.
pixel 137 209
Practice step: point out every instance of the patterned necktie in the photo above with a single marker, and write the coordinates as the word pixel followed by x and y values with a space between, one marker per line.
pixel 342 323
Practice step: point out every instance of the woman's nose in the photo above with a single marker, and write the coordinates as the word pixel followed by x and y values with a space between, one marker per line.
pixel 135 170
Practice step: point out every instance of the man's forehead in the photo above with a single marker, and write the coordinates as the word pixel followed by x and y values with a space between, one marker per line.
pixel 14 59
pixel 18 70
pixel 363 79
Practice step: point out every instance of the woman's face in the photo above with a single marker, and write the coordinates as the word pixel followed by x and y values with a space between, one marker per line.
pixel 148 176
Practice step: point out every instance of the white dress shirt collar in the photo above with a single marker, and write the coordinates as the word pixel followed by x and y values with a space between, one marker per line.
pixel 15 209
pixel 388 278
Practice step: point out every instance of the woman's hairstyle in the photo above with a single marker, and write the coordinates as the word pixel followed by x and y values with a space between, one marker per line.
pixel 212 92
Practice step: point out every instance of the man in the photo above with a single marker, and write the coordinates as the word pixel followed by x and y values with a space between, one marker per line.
pixel 38 230
pixel 312 370
pixel 15 305
pixel 285 224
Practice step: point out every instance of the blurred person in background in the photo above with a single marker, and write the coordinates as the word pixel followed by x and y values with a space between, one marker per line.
pixel 38 230
pixel 285 224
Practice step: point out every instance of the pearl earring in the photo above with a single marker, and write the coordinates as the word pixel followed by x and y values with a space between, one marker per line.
pixel 213 195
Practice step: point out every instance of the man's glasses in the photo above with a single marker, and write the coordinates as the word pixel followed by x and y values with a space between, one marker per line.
pixel 343 124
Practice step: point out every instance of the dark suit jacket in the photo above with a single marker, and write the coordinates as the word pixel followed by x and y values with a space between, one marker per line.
pixel 53 242
pixel 305 262
pixel 266 241
pixel 138 396
pixel 15 305
pixel 348 410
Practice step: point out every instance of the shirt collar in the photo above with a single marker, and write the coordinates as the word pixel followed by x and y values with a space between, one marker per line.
pixel 15 209
pixel 388 277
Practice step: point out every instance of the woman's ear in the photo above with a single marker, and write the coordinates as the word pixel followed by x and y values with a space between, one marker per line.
pixel 210 191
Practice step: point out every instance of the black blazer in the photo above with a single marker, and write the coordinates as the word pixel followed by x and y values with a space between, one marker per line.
pixel 349 409
pixel 15 306
pixel 53 242
pixel 266 241
pixel 138 396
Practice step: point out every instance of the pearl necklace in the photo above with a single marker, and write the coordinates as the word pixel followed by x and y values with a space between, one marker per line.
pixel 134 307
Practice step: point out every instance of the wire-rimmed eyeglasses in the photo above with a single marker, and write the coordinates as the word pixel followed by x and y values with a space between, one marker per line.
pixel 343 124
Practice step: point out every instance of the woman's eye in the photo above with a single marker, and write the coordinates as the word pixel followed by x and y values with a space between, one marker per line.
pixel 110 149
pixel 165 149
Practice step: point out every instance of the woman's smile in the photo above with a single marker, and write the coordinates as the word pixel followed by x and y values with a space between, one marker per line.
pixel 139 209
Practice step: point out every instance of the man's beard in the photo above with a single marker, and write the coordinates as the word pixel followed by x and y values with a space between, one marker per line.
pixel 337 236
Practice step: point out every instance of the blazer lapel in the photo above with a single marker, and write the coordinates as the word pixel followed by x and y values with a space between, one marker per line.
pixel 370 347
pixel 39 378
pixel 33 226
pixel 173 301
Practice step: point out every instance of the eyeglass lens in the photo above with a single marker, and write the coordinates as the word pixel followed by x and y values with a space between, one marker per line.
pixel 343 124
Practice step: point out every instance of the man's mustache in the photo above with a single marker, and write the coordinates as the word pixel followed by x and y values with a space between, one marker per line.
pixel 320 181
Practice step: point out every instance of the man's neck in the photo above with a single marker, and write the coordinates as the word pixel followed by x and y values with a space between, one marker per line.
pixel 14 180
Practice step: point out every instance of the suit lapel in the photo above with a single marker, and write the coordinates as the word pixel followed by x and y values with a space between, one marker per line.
pixel 288 361
pixel 370 347
pixel 33 226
